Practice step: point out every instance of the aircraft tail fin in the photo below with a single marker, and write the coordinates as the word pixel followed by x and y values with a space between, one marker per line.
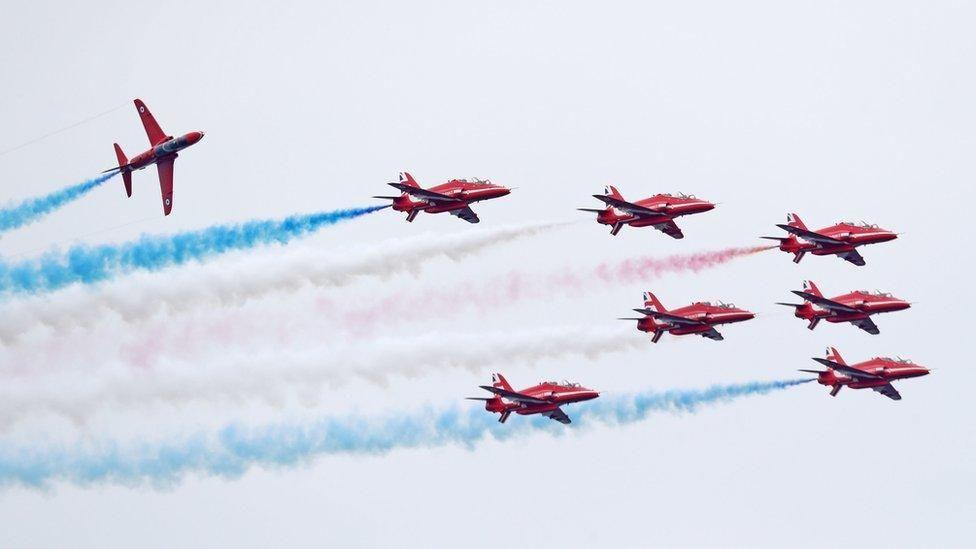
pixel 126 175
pixel 499 381
pixel 610 190
pixel 810 287
pixel 651 300
pixel 794 220
pixel 407 179
pixel 834 356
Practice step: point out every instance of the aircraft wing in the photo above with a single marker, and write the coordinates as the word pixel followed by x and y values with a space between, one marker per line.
pixel 165 169
pixel 670 228
pixel 826 303
pixel 844 369
pixel 467 214
pixel 558 415
pixel 513 396
pixel 888 391
pixel 853 257
pixel 155 134
pixel 668 317
pixel 429 196
pixel 628 207
pixel 713 334
pixel 812 236
pixel 867 325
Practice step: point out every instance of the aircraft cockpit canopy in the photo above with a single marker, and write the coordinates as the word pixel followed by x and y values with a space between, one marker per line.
pixel 862 224
pixel 719 304
pixel 899 360
pixel 878 293
pixel 562 383
pixel 475 181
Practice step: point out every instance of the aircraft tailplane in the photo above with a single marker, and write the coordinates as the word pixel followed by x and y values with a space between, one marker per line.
pixel 126 175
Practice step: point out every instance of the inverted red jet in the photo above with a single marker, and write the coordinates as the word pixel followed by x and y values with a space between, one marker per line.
pixel 544 398
pixel 840 239
pixel 657 211
pixel 855 307
pixel 876 374
pixel 163 153
pixel 455 197
pixel 698 318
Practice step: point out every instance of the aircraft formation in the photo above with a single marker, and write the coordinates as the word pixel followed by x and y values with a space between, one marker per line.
pixel 660 212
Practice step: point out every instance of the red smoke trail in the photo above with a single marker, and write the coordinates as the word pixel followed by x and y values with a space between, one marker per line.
pixel 632 270
pixel 278 326
pixel 517 286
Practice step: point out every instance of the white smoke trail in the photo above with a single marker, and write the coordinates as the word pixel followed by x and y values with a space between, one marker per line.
pixel 236 280
pixel 272 376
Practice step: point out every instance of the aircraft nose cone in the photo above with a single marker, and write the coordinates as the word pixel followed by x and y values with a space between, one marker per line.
pixel 704 206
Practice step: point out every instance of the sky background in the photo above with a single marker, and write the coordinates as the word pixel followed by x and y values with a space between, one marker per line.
pixel 834 110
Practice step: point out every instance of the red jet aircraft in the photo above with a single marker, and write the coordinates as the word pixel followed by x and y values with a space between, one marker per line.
pixel 876 374
pixel 657 211
pixel 855 307
pixel 455 196
pixel 698 318
pixel 163 153
pixel 544 398
pixel 840 239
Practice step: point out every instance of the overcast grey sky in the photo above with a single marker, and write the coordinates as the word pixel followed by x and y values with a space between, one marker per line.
pixel 834 110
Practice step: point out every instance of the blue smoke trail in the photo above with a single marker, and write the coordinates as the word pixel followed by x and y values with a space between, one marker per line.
pixel 235 448
pixel 33 209
pixel 89 264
